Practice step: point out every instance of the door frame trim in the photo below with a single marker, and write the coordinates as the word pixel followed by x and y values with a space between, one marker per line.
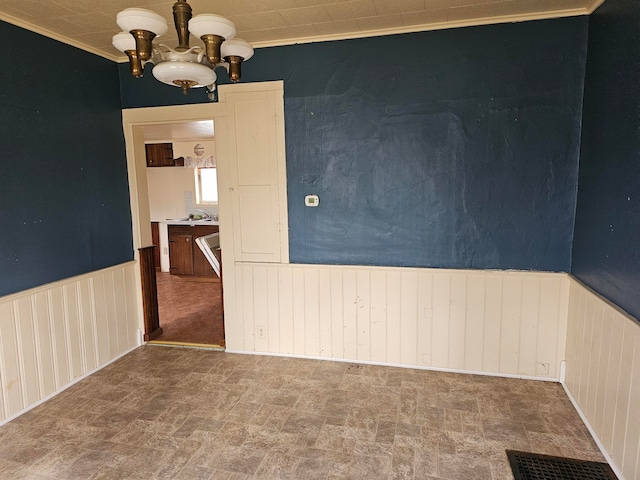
pixel 133 121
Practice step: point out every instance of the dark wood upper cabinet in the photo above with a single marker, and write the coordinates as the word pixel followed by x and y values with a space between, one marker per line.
pixel 159 154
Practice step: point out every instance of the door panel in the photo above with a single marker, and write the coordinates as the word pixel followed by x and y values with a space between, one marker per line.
pixel 256 221
pixel 256 175
pixel 181 254
pixel 252 140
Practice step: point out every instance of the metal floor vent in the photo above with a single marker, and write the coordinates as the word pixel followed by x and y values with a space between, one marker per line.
pixel 532 466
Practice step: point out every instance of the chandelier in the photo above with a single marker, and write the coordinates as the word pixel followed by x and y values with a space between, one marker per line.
pixel 184 66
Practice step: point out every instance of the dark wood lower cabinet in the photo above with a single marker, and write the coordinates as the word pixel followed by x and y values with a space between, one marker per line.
pixel 185 257
pixel 181 254
pixel 201 265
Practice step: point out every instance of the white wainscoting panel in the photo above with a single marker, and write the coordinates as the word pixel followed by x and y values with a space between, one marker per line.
pixel 603 375
pixel 53 334
pixel 501 322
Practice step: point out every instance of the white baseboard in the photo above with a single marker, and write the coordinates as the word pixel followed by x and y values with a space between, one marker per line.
pixel 396 365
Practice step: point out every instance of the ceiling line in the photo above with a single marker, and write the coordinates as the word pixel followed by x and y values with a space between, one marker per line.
pixel 332 37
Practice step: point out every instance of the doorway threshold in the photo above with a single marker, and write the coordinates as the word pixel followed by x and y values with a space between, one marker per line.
pixel 204 346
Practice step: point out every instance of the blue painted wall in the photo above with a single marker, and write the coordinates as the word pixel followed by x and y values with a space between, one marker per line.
pixel 64 199
pixel 455 148
pixel 606 252
pixel 460 152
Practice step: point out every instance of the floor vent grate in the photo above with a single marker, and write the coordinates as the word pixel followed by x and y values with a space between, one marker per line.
pixel 532 466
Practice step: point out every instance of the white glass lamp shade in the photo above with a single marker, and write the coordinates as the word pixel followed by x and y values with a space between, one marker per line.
pixel 209 24
pixel 170 72
pixel 124 41
pixel 142 19
pixel 236 47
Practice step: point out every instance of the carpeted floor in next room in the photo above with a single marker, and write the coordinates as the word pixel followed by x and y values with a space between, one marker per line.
pixel 190 309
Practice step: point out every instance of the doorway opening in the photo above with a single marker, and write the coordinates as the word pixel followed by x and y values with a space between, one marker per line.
pixel 190 311
pixel 181 212
pixel 249 145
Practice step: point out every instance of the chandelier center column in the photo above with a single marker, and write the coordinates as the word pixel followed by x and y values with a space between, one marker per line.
pixel 181 16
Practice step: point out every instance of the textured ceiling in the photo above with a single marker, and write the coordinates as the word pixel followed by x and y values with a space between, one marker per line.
pixel 90 24
pixel 178 131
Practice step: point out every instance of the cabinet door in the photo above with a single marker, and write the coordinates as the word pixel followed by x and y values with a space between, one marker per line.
pixel 181 254
pixel 159 154
pixel 201 265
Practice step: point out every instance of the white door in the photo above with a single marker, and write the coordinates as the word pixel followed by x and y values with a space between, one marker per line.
pixel 257 176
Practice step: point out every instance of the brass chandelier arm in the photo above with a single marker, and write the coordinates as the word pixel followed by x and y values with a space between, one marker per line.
pixel 212 47
pixel 144 46
pixel 181 16
pixel 135 64
pixel 235 67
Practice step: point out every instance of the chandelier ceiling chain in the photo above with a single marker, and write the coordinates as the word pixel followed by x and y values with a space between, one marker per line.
pixel 184 66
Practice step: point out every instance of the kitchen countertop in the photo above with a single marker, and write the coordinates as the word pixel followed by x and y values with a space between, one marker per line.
pixel 182 221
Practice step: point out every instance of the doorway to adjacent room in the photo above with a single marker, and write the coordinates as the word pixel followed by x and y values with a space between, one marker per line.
pixel 183 209
pixel 189 301
pixel 249 146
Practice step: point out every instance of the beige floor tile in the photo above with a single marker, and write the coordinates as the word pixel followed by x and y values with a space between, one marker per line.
pixel 463 467
pixel 173 413
pixel 277 466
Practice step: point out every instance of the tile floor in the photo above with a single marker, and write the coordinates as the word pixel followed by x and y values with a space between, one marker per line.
pixel 190 309
pixel 175 413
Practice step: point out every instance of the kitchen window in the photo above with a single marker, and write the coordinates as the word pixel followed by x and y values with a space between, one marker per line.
pixel 206 186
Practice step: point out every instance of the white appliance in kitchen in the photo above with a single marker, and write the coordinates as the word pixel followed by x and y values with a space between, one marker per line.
pixel 209 244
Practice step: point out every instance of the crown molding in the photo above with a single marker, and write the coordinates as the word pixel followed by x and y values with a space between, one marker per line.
pixel 428 27
pixel 594 6
pixel 334 37
pixel 56 36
